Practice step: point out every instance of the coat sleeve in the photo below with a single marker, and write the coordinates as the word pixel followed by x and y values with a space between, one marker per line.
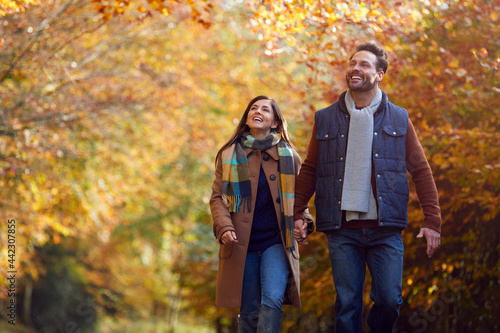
pixel 220 213
pixel 422 177
pixel 305 184
pixel 308 218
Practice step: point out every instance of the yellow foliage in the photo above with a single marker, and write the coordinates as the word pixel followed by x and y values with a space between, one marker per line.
pixel 494 16
pixel 124 140
pixel 15 6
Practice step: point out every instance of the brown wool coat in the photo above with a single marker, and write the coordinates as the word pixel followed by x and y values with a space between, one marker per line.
pixel 232 256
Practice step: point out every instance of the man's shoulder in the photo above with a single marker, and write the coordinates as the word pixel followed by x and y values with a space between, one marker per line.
pixel 396 114
pixel 329 108
pixel 396 107
pixel 391 106
pixel 335 107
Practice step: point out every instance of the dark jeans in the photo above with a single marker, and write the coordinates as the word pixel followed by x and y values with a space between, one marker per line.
pixel 351 250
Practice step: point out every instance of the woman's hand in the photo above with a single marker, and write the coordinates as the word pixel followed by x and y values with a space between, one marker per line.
pixel 228 237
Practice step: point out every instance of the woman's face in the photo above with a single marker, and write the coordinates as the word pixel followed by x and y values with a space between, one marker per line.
pixel 261 118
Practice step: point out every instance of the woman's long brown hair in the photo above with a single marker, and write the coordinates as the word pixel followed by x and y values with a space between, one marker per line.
pixel 243 127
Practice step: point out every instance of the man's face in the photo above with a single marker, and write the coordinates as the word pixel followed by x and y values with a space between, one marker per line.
pixel 361 74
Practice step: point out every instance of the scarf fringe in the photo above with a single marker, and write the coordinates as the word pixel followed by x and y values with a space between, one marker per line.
pixel 288 239
pixel 234 202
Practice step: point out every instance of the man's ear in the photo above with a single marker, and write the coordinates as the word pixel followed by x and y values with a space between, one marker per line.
pixel 380 76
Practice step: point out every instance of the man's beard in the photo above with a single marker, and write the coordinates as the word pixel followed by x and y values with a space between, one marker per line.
pixel 363 87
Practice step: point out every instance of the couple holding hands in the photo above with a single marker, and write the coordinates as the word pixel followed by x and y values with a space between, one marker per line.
pixel 357 160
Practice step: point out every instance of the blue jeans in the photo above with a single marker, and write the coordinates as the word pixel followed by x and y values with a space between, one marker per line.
pixel 264 281
pixel 351 250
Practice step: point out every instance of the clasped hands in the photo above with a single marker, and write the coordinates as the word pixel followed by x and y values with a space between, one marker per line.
pixel 300 231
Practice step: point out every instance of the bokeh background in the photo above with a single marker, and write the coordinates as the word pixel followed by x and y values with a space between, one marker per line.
pixel 111 113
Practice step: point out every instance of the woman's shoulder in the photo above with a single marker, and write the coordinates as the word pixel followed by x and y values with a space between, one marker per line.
pixel 296 155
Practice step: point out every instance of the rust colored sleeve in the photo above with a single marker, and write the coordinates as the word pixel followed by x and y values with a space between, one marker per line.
pixel 421 174
pixel 305 183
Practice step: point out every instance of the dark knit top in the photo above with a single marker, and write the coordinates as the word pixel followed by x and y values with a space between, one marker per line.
pixel 265 230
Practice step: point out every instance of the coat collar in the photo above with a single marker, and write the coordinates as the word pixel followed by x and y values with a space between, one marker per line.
pixel 273 152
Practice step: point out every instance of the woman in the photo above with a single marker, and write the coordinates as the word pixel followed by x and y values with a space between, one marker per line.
pixel 252 209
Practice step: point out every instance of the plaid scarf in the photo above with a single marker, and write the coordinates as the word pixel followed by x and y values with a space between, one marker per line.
pixel 236 187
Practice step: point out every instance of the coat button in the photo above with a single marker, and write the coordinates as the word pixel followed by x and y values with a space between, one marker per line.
pixel 273 177
pixel 266 158
pixel 278 200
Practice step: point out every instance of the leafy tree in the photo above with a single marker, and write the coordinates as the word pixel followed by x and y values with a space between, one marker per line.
pixel 111 113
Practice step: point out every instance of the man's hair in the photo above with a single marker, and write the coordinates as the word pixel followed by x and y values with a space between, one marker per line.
pixel 379 52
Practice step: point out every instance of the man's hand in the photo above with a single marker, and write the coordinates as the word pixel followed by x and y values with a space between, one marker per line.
pixel 300 231
pixel 432 237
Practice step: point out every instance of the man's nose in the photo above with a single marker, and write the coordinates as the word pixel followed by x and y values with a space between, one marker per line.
pixel 356 68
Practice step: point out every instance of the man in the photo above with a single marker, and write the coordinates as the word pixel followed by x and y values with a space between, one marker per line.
pixel 357 161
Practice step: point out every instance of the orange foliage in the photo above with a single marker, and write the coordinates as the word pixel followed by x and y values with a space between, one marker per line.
pixel 112 111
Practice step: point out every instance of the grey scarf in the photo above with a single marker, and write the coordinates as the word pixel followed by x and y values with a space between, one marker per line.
pixel 357 194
